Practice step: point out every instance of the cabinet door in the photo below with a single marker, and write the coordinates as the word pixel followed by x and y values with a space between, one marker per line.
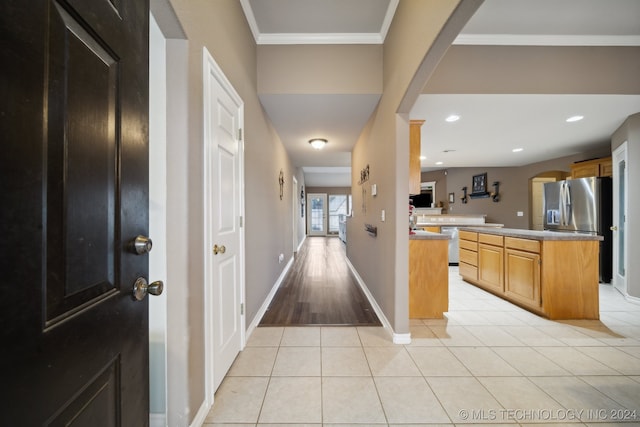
pixel 490 267
pixel 522 277
pixel 606 168
pixel 585 170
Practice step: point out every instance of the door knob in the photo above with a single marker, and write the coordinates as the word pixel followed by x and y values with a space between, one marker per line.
pixel 219 249
pixel 141 288
pixel 141 245
pixel 613 228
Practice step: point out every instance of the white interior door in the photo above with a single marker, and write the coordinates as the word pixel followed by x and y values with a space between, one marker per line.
pixel 620 193
pixel 317 214
pixel 223 210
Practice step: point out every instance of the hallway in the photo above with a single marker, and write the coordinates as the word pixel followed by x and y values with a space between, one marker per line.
pixel 320 290
pixel 488 361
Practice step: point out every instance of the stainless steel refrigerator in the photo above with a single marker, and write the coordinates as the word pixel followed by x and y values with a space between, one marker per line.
pixel 582 205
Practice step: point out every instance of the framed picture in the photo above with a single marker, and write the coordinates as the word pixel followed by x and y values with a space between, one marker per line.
pixel 452 198
pixel 479 184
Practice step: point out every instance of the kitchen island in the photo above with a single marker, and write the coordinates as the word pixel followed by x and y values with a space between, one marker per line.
pixel 549 273
pixel 428 275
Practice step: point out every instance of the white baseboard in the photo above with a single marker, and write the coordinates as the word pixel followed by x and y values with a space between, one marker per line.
pixel 201 416
pixel 157 420
pixel 397 338
pixel 265 305
pixel 301 243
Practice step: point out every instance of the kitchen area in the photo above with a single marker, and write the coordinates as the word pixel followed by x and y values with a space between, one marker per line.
pixel 553 271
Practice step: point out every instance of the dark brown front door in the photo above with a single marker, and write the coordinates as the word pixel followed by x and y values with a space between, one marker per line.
pixel 73 194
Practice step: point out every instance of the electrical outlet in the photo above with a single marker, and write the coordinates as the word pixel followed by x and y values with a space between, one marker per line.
pixel 520 213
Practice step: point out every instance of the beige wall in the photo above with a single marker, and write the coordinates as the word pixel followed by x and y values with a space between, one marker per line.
pixel 630 132
pixel 221 27
pixel 537 69
pixel 382 261
pixel 329 190
pixel 320 69
pixel 514 188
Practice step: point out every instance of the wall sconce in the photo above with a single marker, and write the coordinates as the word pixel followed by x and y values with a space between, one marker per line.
pixel 495 194
pixel 464 197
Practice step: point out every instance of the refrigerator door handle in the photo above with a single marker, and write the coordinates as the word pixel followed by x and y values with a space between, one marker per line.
pixel 561 204
pixel 565 203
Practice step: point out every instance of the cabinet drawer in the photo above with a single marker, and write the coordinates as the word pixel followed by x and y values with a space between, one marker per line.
pixel 522 244
pixel 469 257
pixel 466 244
pixel 468 271
pixel 432 229
pixel 490 239
pixel 468 235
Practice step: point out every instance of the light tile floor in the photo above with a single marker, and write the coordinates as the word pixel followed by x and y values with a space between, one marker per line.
pixel 486 362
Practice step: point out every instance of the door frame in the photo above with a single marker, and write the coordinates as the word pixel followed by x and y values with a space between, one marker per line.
pixel 325 214
pixel 210 66
pixel 618 155
pixel 294 215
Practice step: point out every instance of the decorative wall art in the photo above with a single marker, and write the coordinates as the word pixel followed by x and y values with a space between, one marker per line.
pixel 302 202
pixel 364 175
pixel 281 182
pixel 479 186
pixel 452 198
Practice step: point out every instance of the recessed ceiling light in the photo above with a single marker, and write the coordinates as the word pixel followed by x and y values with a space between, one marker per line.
pixel 423 157
pixel 575 119
pixel 439 163
pixel 452 118
pixel 517 150
pixel 318 143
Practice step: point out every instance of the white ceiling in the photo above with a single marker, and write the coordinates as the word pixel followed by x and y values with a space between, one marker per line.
pixel 496 120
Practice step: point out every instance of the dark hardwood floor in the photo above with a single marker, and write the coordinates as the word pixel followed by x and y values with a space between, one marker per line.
pixel 320 290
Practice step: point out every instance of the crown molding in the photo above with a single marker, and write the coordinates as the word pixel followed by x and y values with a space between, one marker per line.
pixel 545 40
pixel 251 19
pixel 320 38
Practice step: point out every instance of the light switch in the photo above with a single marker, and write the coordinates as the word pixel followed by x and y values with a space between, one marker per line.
pixel 520 213
pixel 374 189
pixel 382 215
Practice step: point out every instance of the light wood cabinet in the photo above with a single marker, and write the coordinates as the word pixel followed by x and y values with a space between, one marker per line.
pixel 555 278
pixel 522 271
pixel 428 278
pixel 595 167
pixel 491 267
pixel 414 156
pixel 468 258
pixel 432 229
pixel 606 167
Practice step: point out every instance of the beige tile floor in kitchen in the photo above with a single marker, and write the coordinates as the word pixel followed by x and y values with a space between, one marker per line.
pixel 488 361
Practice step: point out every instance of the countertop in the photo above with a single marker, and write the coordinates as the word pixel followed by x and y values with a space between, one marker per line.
pixel 532 234
pixel 427 235
pixel 457 224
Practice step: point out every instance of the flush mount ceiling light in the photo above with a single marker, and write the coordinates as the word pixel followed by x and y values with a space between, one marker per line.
pixel 439 163
pixel 423 157
pixel 574 119
pixel 452 118
pixel 517 150
pixel 318 143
